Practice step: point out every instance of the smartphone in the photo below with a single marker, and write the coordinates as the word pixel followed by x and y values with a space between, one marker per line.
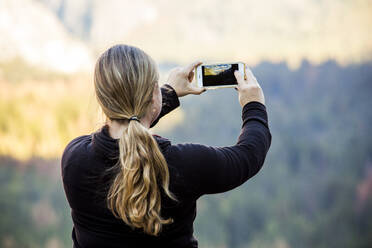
pixel 214 76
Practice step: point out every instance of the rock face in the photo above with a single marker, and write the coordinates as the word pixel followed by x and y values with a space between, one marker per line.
pixel 29 30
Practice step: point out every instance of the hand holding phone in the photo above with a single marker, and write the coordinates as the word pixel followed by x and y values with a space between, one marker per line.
pixel 249 89
pixel 180 79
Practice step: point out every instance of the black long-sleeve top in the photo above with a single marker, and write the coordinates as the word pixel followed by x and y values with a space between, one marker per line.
pixel 194 169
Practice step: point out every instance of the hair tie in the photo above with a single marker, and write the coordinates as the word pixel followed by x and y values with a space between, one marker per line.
pixel 134 118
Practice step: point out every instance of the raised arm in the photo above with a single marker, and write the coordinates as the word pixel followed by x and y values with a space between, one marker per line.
pixel 210 170
pixel 170 101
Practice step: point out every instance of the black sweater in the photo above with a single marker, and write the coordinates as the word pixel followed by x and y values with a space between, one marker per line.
pixel 195 170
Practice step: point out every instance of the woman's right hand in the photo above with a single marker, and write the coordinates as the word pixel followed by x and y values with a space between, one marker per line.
pixel 180 79
pixel 249 89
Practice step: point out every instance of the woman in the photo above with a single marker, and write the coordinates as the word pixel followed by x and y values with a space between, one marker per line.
pixel 129 188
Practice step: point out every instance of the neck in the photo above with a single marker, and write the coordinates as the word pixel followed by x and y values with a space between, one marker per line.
pixel 116 129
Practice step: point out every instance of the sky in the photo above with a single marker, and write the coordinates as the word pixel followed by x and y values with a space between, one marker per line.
pixel 70 34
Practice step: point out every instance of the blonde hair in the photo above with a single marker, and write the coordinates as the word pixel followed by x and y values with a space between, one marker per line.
pixel 124 80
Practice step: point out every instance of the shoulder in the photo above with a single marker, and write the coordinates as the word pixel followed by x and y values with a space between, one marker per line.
pixel 181 150
pixel 193 158
pixel 163 143
pixel 75 144
pixel 191 151
pixel 74 150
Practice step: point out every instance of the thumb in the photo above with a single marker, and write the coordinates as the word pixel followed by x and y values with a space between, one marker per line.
pixel 239 78
pixel 197 90
pixel 192 66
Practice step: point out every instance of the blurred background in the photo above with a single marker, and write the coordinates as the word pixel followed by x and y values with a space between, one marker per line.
pixel 312 58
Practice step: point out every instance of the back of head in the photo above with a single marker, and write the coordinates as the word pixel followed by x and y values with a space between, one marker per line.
pixel 124 81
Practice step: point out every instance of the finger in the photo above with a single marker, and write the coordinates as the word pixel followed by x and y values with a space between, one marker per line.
pixel 239 78
pixel 245 73
pixel 192 66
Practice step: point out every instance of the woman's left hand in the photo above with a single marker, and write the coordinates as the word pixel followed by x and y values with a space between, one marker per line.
pixel 180 79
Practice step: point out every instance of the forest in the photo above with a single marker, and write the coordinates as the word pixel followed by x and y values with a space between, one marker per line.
pixel 314 190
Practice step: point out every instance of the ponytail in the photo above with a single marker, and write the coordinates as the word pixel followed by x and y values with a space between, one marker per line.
pixel 134 195
pixel 125 78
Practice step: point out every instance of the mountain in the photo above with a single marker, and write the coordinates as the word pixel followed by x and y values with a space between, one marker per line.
pixel 61 34
pixel 30 31
pixel 217 30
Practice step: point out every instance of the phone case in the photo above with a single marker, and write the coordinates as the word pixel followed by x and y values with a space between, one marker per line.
pixel 222 86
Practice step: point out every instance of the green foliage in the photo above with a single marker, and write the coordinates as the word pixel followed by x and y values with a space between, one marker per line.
pixel 306 195
pixel 32 205
pixel 17 70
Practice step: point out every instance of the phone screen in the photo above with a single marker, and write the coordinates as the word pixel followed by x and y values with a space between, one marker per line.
pixel 221 74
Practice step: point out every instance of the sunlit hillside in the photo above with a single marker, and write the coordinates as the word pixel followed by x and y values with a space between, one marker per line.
pixel 41 111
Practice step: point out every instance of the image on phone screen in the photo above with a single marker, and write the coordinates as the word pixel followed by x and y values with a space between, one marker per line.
pixel 221 74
